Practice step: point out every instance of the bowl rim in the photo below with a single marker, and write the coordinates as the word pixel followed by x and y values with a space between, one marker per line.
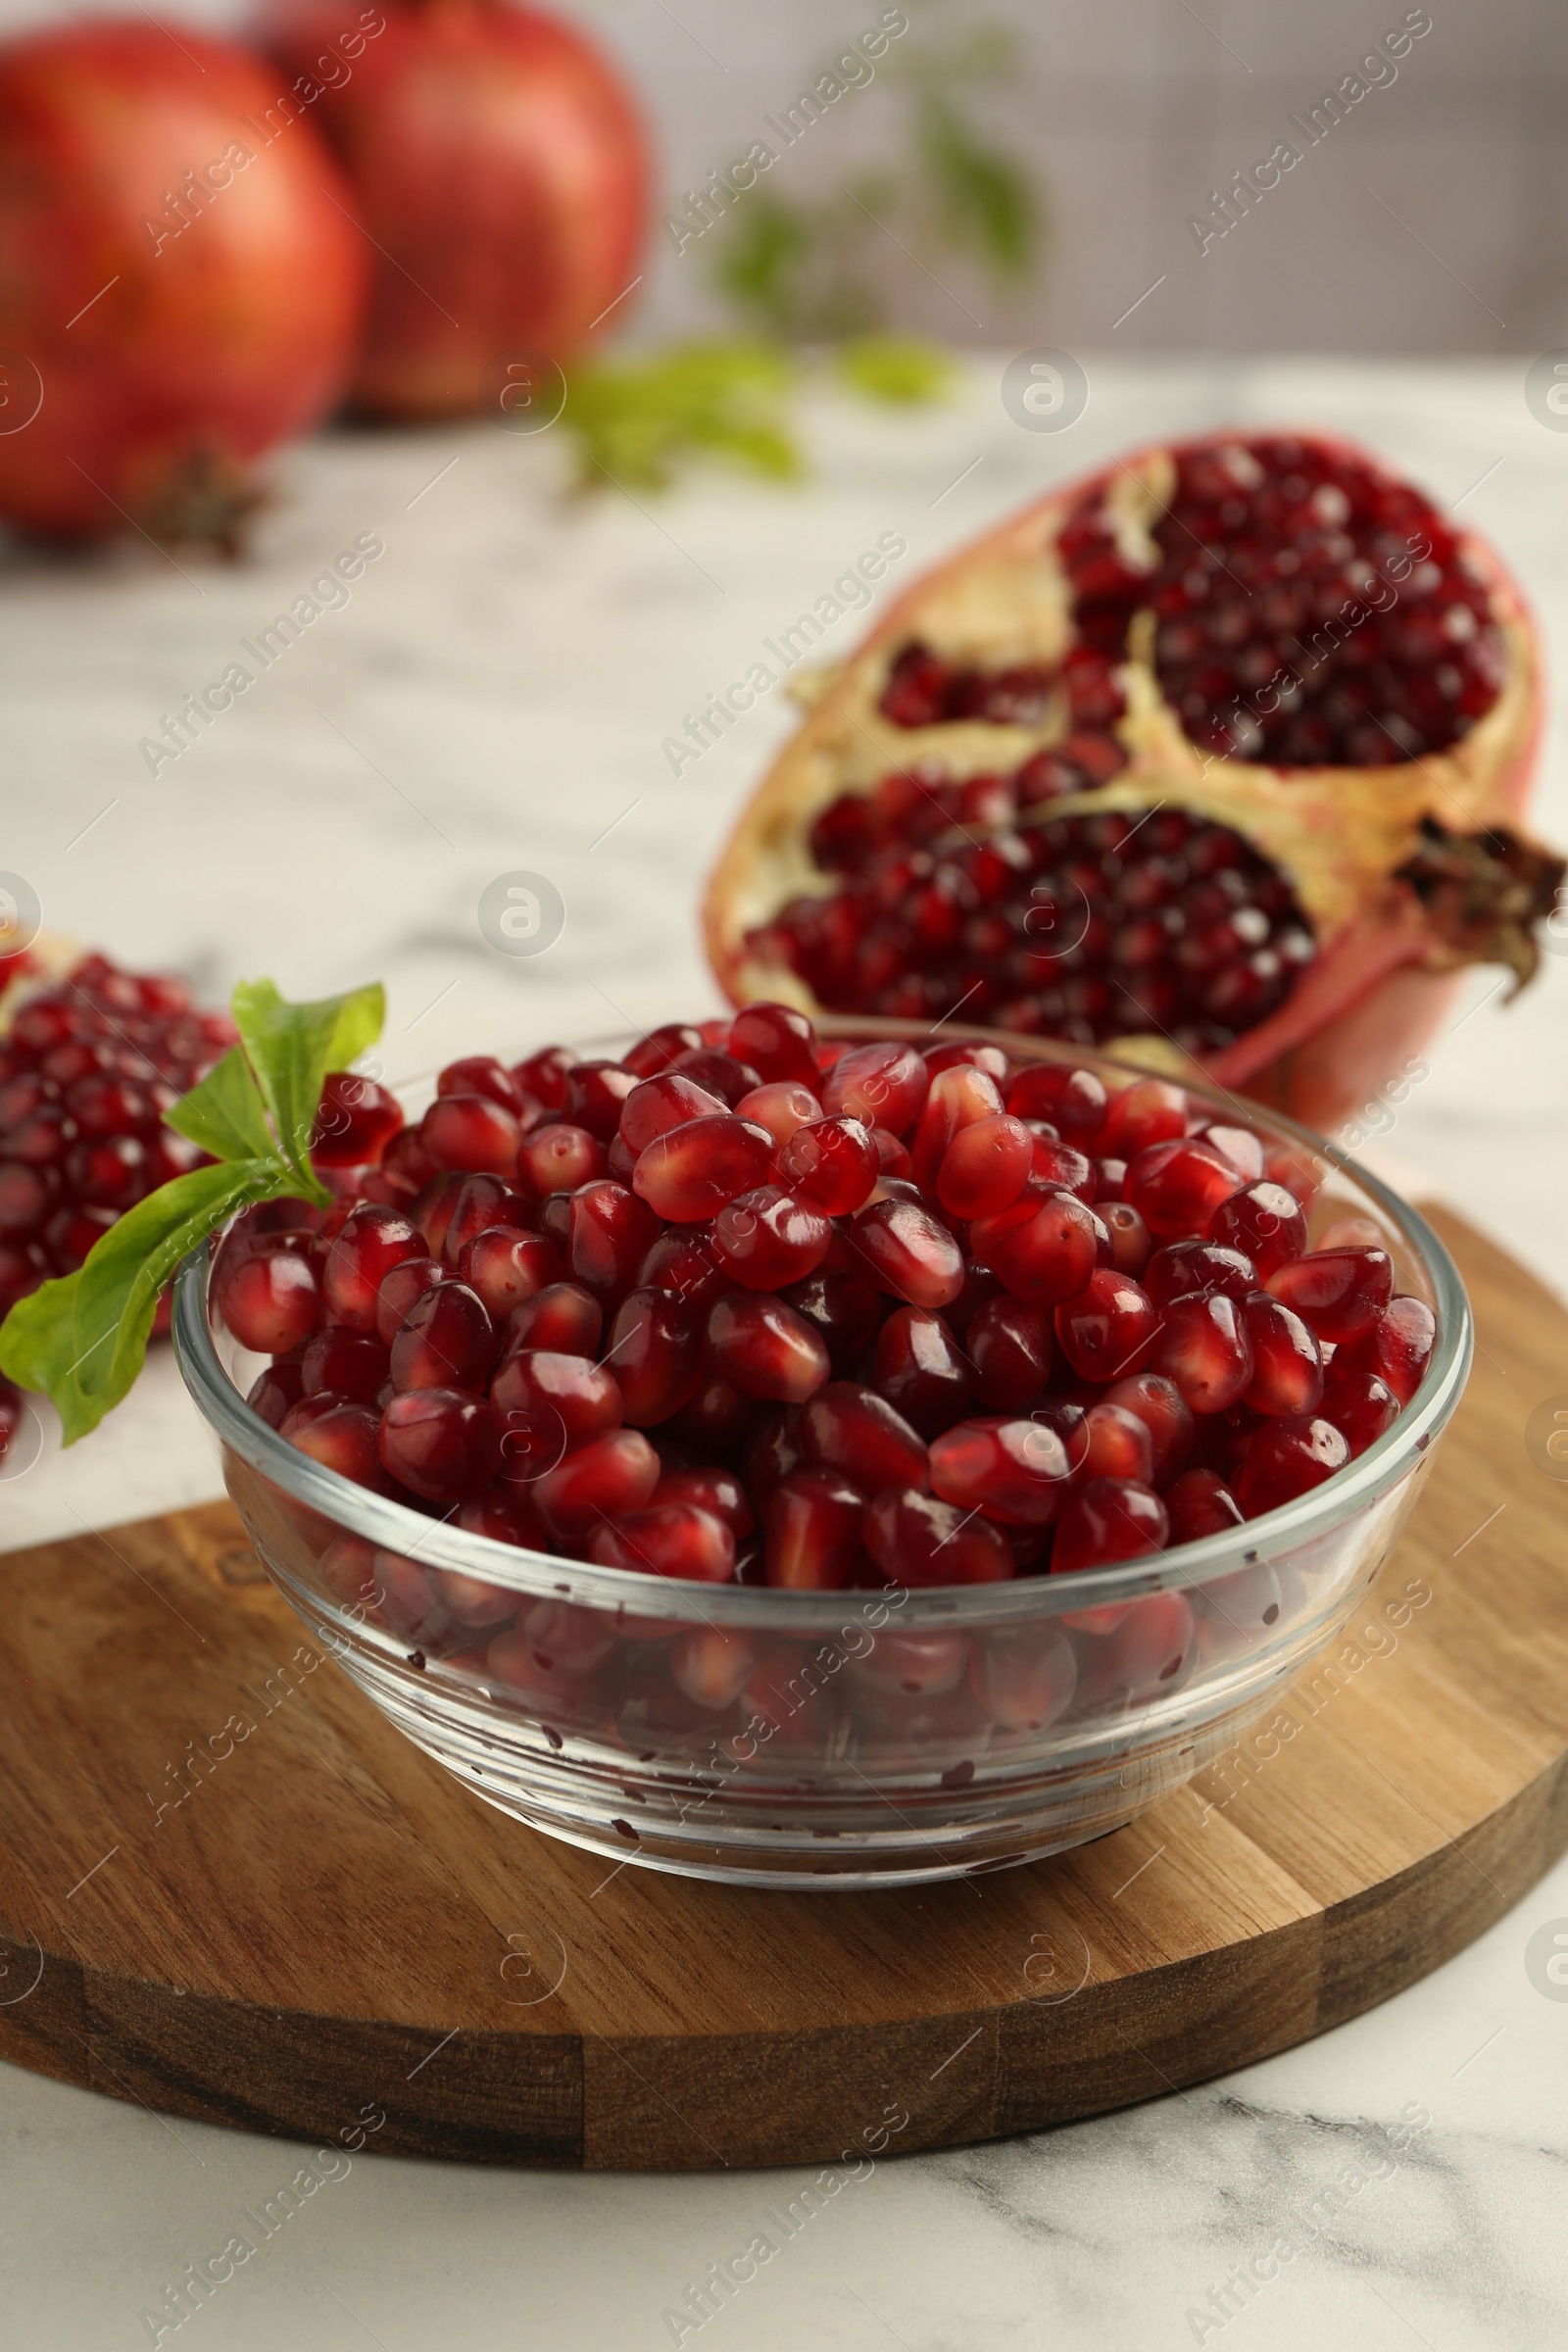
pixel 396 1527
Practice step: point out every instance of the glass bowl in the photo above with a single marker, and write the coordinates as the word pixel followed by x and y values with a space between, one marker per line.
pixel 833 1740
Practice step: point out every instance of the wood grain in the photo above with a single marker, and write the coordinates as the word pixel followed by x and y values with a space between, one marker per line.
pixel 329 1925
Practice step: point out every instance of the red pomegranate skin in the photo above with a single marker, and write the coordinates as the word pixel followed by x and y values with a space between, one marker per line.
pixel 175 343
pixel 501 166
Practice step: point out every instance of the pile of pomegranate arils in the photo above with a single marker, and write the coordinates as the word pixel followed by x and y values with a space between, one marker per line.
pixel 749 1305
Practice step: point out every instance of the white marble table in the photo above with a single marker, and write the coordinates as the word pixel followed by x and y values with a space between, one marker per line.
pixel 494 696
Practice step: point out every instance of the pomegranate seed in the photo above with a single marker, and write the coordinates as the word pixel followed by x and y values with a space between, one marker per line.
pixel 845 1311
pixel 1353 1233
pixel 355 1121
pixel 907 1251
pixel 73 1233
pixel 1057 1166
pixel 955 1099
pixel 814 1522
pixel 1361 1406
pixel 611 1233
pixel 26 1197
pixel 906 1664
pixel 1119 1444
pixel 584 1398
pixel 604 1479
pixel 275 1393
pixel 773 1451
pixel 472 1132
pixel 715 1422
pixel 1340 1293
pixel 1010 1346
pixel 990 1058
pixel 1148 1649
pixel 111 1173
pixel 1201 1505
pixel 406 1166
pixel 852 1429
pixel 721 1076
pixel 481 1074
pixel 1287 1362
pixel 718 1490
pixel 1176 1187
pixel 661 1046
pixel 441 1442
pixel 477 1205
pixel 371 1242
pixel 712 1666
pixel 271 1300
pixel 505 1266
pixel 681 1263
pixel 543 1076
pixel 1263 1221
pixel 1131 1242
pixel 1152 1110
pixel 338 1433
pixel 447 1340
pixel 915 1539
pixel 690 1172
pixel 1286 1458
pixel 833 1162
pixel 667 1538
pixel 1109 1329
pixel 881 1086
pixel 346 1363
pixel 399 1289
pixel 1397 1347
pixel 596 1092
pixel 1205 1350
pixel 985 1167
pixel 1025 1679
pixel 656 1348
pixel 563 1317
pixel 659 1104
pixel 1166 1415
pixel 1108 1519
pixel 1074 1101
pixel 1041 1252
pixel 1013 1471
pixel 922 1370
pixel 892 1157
pixel 558 1158
pixel 768 1237
pixel 1192 1269
pixel 765 1349
pixel 783 1107
pixel 778 1042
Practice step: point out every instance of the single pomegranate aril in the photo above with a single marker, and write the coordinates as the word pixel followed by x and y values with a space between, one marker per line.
pixel 481 1074
pixel 1205 1350
pixel 846 1310
pixel 1119 1444
pixel 1072 1100
pixel 718 1490
pixel 850 1428
pixel 1340 1293
pixel 690 1172
pixel 611 1233
pixel 782 1108
pixel 661 1046
pixel 542 1078
pixel 765 1349
pixel 659 1104
pixel 915 1539
pixel 713 1666
pixel 922 1370
pixel 1264 1222
pixel 1109 1519
pixel 1286 1360
pixel 656 1350
pixel 1164 1412
pixel 1010 1348
pixel 1131 1242
pixel 667 1538
pixel 833 1162
pixel 441 1442
pixel 1361 1406
pixel 720 1074
pixel 1108 1329
pixel 271 1300
pixel 715 1422
pixel 1397 1347
pixel 985 1167
pixel 682 1262
pixel 1152 1110
pixel 505 1266
pixel 604 1479
pixel 1176 1187
pixel 814 1531
pixel 1025 1678
pixel 340 1435
pixel 778 1042
pixel 275 1393
pixel 1286 1458
pixel 768 1239
pixel 773 1451
pixel 585 1399
pixel 1040 1251
pixel 563 1318
pixel 558 1158
pixel 447 1340
pixel 477 1205
pixel 1191 1269
pixel 881 1086
pixel 596 1093
pixel 400 1287
pixel 472 1132
pixel 345 1363
pixel 903 1249
pixel 1201 1505
pixel 956 1098
pixel 1015 1471
pixel 356 1121
pixel 371 1242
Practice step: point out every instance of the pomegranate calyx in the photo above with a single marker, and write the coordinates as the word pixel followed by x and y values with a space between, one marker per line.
pixel 1483 896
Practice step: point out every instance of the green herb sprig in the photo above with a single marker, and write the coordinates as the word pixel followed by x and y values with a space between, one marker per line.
pixel 83 1340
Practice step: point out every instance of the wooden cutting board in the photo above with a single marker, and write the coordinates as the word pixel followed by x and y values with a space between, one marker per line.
pixel 329 1937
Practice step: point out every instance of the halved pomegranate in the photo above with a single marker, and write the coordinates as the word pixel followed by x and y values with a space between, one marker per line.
pixel 1211 758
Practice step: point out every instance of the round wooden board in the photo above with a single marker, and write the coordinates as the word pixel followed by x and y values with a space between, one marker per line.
pixel 331 1930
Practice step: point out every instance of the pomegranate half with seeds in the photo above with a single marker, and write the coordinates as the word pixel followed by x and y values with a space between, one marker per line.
pixel 1214 759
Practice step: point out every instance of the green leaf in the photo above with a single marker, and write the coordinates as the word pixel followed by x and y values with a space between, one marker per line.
pixel 83 1340
pixel 224 1114
pixel 639 420
pixel 291 1049
pixel 899 369
pixel 985 202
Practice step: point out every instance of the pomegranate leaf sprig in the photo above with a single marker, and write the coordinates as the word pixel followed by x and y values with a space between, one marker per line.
pixel 83 1340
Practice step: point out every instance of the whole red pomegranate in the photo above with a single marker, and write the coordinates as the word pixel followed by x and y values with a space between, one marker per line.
pixel 182 279
pixel 501 166
pixel 1212 758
